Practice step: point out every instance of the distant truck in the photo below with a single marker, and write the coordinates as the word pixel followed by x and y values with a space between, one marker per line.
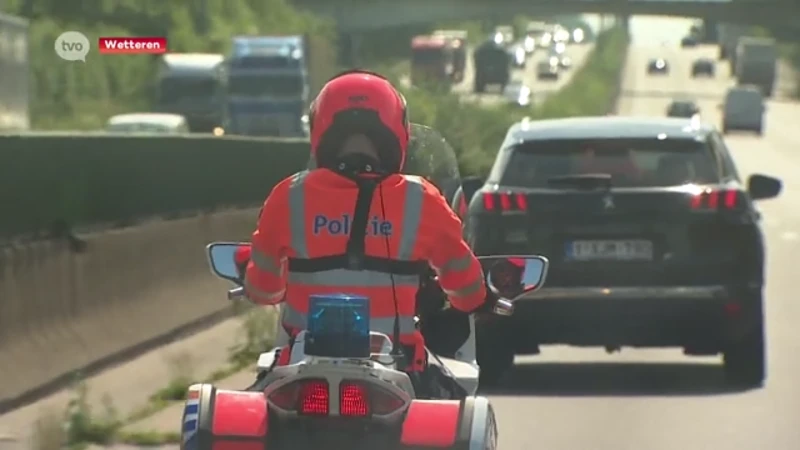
pixel 432 61
pixel 492 66
pixel 756 63
pixel 729 35
pixel 269 86
pixel 458 42
pixel 14 74
pixel 193 85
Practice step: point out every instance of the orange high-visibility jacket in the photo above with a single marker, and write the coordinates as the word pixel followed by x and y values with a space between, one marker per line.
pixel 309 216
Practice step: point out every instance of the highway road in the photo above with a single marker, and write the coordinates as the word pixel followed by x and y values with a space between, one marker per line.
pixel 527 75
pixel 576 399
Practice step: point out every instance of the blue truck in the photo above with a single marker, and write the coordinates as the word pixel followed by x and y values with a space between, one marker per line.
pixel 268 86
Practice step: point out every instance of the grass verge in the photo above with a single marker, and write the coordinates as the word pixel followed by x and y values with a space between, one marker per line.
pixel 82 424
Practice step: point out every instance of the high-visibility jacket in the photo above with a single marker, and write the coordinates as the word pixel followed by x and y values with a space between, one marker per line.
pixel 308 216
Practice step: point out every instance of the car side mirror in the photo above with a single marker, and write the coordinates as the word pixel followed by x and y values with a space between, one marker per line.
pixel 511 277
pixel 222 259
pixel 761 187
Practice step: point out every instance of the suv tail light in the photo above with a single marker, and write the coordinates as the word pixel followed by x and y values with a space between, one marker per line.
pixel 717 200
pixel 505 201
pixel 307 397
pixel 362 400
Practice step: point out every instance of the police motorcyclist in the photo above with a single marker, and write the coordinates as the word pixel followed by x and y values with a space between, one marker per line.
pixel 353 221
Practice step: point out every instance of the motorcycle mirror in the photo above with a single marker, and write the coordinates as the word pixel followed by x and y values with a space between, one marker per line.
pixel 222 262
pixel 512 276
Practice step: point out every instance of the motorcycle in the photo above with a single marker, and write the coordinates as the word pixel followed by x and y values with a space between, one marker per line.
pixel 343 385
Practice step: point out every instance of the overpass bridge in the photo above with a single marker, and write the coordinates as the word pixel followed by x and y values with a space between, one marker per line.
pixel 353 16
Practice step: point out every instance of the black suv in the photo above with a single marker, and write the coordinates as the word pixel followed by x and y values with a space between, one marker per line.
pixel 704 67
pixel 683 108
pixel 658 66
pixel 653 241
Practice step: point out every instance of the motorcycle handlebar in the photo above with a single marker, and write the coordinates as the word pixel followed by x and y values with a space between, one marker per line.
pixel 236 293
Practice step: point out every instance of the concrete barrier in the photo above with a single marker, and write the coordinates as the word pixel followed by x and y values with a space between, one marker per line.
pixel 62 311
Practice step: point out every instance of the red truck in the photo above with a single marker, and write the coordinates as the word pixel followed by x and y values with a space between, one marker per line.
pixel 431 60
pixel 458 42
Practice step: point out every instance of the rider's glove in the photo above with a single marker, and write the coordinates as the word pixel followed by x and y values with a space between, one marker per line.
pixel 241 258
pixel 431 299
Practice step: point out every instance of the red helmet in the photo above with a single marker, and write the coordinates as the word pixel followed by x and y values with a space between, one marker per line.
pixel 362 102
pixel 519 262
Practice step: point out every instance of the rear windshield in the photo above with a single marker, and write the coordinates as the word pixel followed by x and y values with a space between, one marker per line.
pixel 428 56
pixel 631 163
pixel 744 96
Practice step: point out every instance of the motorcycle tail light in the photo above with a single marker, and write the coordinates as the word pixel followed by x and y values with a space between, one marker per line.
pixel 353 400
pixel 307 397
pixel 361 400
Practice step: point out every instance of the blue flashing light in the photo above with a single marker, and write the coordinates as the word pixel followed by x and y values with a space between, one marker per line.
pixel 338 326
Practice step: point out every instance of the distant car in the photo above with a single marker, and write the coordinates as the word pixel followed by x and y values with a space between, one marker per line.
pixel 518 94
pixel 561 59
pixel 658 66
pixel 548 69
pixel 652 238
pixel 743 109
pixel 529 42
pixel 704 66
pixel 148 123
pixel 518 55
pixel 683 108
pixel 689 41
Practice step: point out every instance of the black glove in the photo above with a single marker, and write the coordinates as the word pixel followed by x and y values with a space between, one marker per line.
pixel 431 299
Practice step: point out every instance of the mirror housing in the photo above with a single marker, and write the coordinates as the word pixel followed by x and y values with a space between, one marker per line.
pixel 221 259
pixel 513 276
pixel 761 187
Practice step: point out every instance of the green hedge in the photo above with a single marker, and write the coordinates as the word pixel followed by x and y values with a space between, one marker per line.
pixel 93 179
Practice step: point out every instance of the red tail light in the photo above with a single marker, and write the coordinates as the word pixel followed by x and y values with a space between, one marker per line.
pixel 361 400
pixel 712 200
pixel 507 201
pixel 353 400
pixel 308 397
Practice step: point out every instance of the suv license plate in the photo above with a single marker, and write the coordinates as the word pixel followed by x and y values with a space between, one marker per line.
pixel 622 250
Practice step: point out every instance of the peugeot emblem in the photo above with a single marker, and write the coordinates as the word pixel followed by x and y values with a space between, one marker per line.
pixel 608 202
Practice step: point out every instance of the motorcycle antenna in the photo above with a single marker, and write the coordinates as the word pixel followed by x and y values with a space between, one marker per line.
pixel 397 350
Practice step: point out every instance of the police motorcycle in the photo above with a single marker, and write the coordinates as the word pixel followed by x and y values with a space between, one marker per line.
pixel 345 386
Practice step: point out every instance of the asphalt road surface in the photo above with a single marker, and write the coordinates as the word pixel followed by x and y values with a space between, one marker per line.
pixel 577 399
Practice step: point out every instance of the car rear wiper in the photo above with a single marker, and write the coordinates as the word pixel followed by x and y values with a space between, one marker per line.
pixel 589 181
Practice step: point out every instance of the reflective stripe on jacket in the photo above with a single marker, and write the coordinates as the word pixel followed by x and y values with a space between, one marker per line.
pixel 308 216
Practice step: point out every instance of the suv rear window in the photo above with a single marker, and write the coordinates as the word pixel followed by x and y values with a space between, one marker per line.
pixel 630 162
